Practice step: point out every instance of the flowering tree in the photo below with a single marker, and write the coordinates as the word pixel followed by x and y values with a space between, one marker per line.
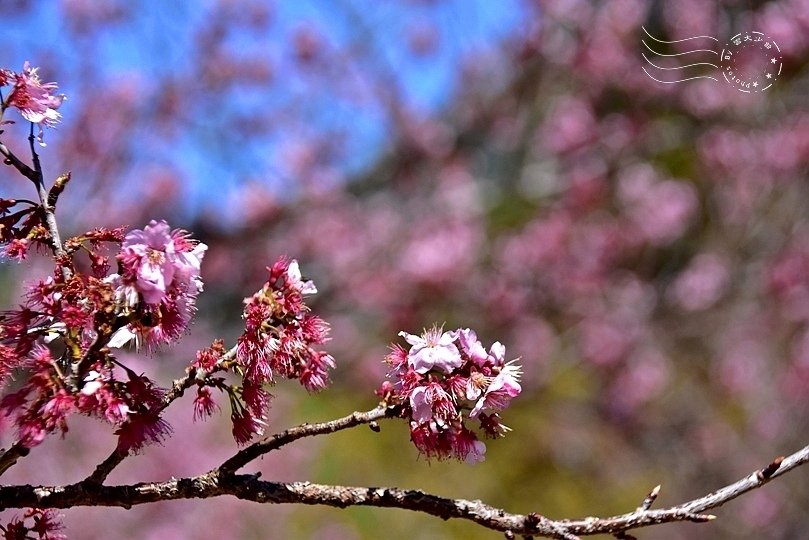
pixel 59 357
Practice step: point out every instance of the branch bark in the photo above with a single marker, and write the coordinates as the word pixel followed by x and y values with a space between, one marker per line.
pixel 50 218
pixel 249 487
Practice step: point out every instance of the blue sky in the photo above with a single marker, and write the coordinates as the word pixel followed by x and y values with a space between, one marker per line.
pixel 159 36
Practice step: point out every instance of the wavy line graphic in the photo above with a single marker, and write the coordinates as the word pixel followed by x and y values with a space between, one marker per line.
pixel 678 54
pixel 679 80
pixel 678 40
pixel 679 67
pixel 675 55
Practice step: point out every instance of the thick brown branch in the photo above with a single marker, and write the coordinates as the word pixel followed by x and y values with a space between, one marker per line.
pixel 249 487
pixel 246 455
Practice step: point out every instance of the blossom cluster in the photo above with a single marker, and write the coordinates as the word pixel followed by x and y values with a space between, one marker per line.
pixel 445 380
pixel 279 340
pixel 61 337
pixel 21 228
pixel 158 283
pixel 36 101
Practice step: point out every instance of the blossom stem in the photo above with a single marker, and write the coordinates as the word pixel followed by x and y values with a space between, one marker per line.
pixel 10 456
pixel 50 217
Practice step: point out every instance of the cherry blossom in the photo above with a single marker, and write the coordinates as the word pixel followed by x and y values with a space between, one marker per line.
pixel 441 399
pixel 158 284
pixel 433 349
pixel 35 100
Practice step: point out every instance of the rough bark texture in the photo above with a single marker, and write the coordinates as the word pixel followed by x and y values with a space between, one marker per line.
pixel 223 481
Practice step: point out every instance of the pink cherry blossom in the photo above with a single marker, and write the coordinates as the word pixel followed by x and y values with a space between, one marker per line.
pixel 468 447
pixel 432 403
pixel 17 249
pixel 500 391
pixel 204 404
pixel 45 524
pixel 439 402
pixel 159 282
pixel 434 349
pixel 279 339
pixel 470 345
pixel 155 254
pixel 295 282
pixel 35 100
pixel 245 426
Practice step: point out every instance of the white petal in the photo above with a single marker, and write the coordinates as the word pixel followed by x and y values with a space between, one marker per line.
pixel 91 388
pixel 121 337
pixel 410 338
pixel 294 271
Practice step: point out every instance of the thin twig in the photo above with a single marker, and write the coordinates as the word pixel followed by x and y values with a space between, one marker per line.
pixel 9 457
pixel 248 454
pixel 178 388
pixel 650 498
pixel 47 209
pixel 13 160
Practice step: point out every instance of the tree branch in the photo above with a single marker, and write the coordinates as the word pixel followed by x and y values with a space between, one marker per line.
pixel 9 457
pixel 248 454
pixel 35 176
pixel 17 163
pixel 248 487
pixel 50 218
